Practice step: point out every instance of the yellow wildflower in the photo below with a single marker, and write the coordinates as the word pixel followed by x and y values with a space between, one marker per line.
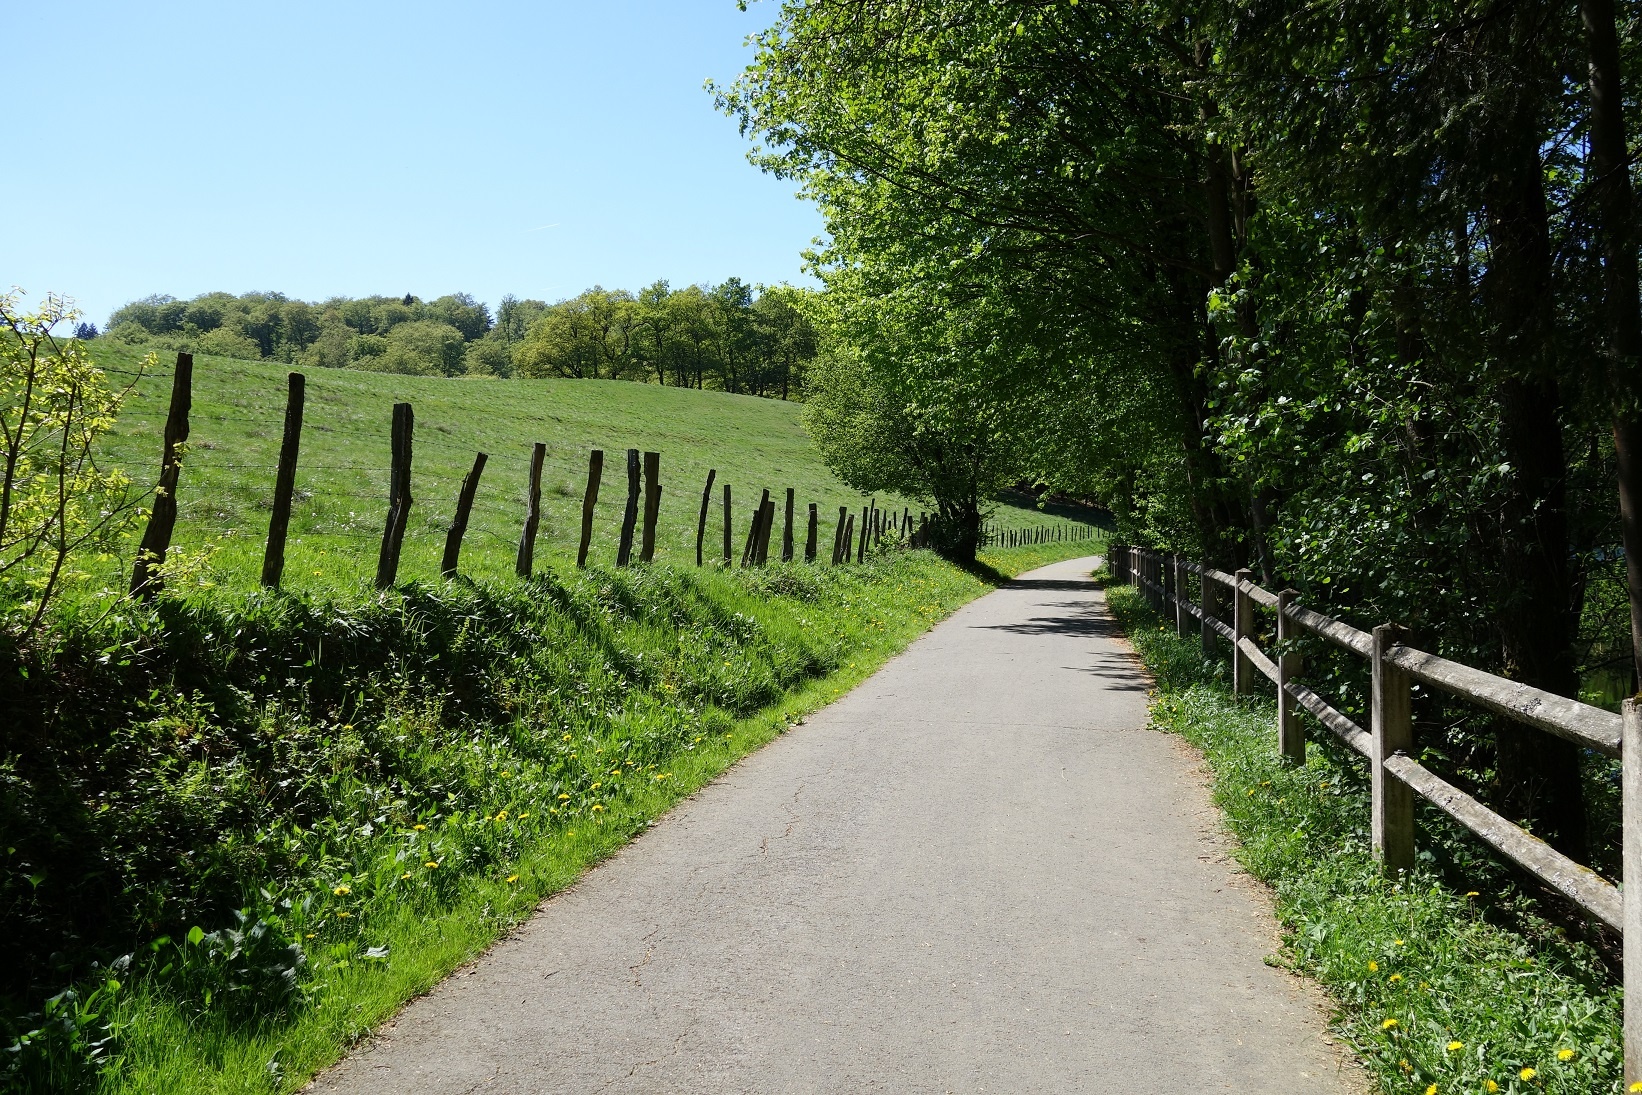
pixel 404 876
pixel 1432 1090
pixel 431 864
pixel 564 798
pixel 342 891
pixel 512 878
pixel 1398 943
pixel 1394 978
pixel 343 915
pixel 1388 1024
pixel 598 809
pixel 1635 1087
pixel 501 815
pixel 1528 1073
pixel 596 786
pixel 1452 1046
pixel 420 828
pixel 1564 1054
pixel 1373 967
pixel 1490 1086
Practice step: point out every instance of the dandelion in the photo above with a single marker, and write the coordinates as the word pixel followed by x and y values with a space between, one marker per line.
pixel 420 828
pixel 343 915
pixel 1474 893
pixel 1528 1073
pixel 1455 1046
pixel 1432 1090
pixel 1394 978
pixel 596 786
pixel 1564 1054
pixel 598 809
pixel 1490 1086
pixel 1373 967
pixel 404 876
pixel 1398 943
pixel 523 816
pixel 431 864
pixel 501 815
pixel 342 891
pixel 564 798
pixel 1388 1024
pixel 512 878
pixel 1635 1087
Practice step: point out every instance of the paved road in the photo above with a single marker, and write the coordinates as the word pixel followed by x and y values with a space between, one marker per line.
pixel 978 872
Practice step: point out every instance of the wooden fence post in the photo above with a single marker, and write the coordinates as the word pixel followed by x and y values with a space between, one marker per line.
pixel 162 519
pixel 1166 565
pixel 838 536
pixel 786 531
pixel 749 550
pixel 861 542
pixel 630 516
pixel 811 536
pixel 279 521
pixel 1291 737
pixel 399 497
pixel 525 562
pixel 849 539
pixel 590 498
pixel 701 523
pixel 728 535
pixel 459 523
pixel 1631 854
pixel 652 506
pixel 1392 831
pixel 765 527
pixel 1242 627
pixel 1181 600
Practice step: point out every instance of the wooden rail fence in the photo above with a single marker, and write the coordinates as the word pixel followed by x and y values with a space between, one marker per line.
pixel 1396 777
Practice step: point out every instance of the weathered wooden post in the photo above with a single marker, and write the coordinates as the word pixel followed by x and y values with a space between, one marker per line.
pixel 279 521
pixel 838 536
pixel 525 562
pixel 749 550
pixel 812 534
pixel 459 523
pixel 849 539
pixel 1291 737
pixel 701 523
pixel 1631 874
pixel 861 542
pixel 162 519
pixel 786 530
pixel 1242 627
pixel 652 506
pixel 1181 600
pixel 590 498
pixel 766 526
pixel 1166 565
pixel 630 516
pixel 399 497
pixel 728 534
pixel 1392 831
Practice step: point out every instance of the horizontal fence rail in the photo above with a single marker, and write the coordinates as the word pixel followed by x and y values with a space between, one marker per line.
pixel 1397 778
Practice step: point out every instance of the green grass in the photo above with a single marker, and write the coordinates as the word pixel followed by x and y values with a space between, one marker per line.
pixel 1449 977
pixel 226 488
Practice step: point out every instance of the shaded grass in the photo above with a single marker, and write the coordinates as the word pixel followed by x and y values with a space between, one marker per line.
pixel 1429 984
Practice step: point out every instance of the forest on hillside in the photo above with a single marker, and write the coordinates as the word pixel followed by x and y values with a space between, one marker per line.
pixel 731 337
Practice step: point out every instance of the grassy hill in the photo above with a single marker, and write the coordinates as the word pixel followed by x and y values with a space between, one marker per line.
pixel 238 408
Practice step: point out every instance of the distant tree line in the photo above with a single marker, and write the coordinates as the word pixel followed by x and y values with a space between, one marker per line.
pixel 730 337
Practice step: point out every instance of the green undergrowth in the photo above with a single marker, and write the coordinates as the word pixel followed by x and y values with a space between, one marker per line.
pixel 1446 981
pixel 243 829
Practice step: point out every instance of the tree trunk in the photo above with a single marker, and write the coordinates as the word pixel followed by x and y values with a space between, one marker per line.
pixel 1610 162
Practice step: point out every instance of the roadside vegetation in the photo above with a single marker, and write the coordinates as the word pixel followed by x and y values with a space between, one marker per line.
pixel 1453 979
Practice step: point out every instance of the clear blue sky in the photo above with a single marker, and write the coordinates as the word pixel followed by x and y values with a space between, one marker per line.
pixel 349 148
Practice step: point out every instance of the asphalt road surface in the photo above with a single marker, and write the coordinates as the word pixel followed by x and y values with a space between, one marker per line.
pixel 978 872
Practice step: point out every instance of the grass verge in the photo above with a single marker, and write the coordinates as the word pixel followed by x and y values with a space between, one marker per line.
pixel 289 836
pixel 1441 985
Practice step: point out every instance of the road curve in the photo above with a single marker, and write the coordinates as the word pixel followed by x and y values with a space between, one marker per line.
pixel 977 872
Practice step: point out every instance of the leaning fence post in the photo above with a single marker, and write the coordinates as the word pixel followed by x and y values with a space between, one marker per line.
pixel 1631 874
pixel 749 550
pixel 701 523
pixel 849 539
pixel 866 531
pixel 162 519
pixel 765 527
pixel 399 497
pixel 1242 628
pixel 838 536
pixel 652 505
pixel 786 531
pixel 1291 738
pixel 811 536
pixel 630 516
pixel 595 472
pixel 1392 831
pixel 279 521
pixel 525 561
pixel 459 523
pixel 728 533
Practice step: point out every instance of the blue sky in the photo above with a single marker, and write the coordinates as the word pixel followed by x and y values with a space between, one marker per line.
pixel 324 149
